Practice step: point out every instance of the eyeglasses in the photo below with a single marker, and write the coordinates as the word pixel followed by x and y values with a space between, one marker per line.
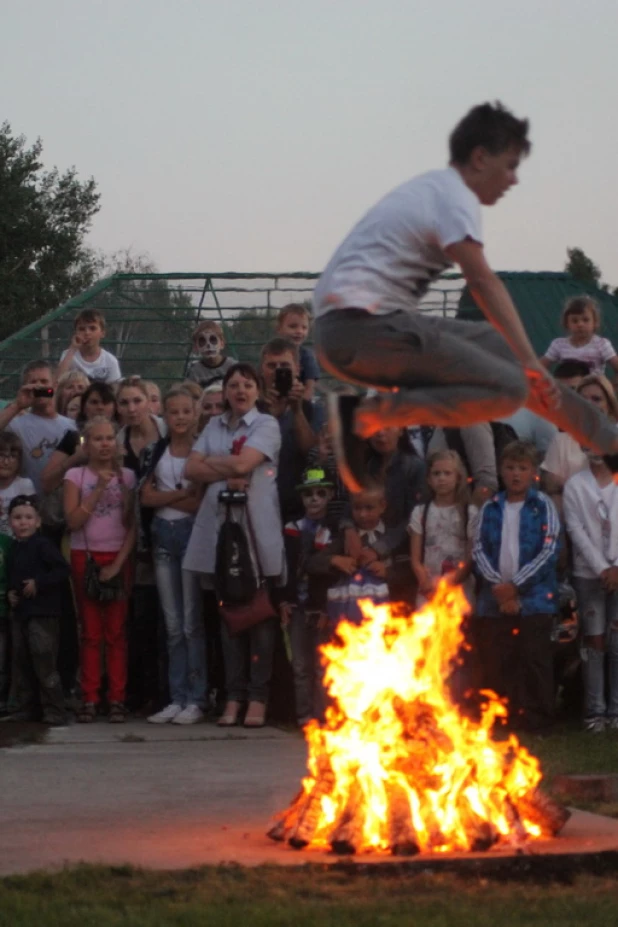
pixel 317 492
pixel 9 455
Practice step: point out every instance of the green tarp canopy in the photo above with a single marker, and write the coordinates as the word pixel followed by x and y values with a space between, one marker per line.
pixel 540 298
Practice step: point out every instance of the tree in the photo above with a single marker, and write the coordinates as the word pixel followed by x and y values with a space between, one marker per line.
pixel 44 218
pixel 582 268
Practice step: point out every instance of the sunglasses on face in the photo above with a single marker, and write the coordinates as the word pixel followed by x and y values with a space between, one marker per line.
pixel 317 493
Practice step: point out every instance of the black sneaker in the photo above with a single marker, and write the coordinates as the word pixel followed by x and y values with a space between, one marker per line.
pixel 611 461
pixel 350 450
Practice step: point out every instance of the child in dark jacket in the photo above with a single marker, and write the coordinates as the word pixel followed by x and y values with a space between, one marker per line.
pixel 303 612
pixel 35 576
pixel 516 555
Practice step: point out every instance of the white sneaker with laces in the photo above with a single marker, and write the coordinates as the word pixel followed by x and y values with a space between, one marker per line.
pixel 189 715
pixel 169 713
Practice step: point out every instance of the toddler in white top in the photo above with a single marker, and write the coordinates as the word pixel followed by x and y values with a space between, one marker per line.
pixel 582 319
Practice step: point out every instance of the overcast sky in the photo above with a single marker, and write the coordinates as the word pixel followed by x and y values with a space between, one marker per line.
pixel 249 135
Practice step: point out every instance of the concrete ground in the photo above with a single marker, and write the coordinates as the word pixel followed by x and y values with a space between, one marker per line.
pixel 171 797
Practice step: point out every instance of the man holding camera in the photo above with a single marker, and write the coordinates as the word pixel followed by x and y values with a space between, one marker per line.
pixel 282 396
pixel 40 428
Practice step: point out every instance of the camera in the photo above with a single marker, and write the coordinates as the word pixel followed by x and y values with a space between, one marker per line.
pixel 284 380
pixel 43 392
pixel 232 497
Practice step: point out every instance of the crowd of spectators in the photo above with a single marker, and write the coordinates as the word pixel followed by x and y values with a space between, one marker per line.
pixel 128 519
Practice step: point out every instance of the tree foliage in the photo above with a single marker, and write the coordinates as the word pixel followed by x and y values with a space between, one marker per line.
pixel 44 218
pixel 582 268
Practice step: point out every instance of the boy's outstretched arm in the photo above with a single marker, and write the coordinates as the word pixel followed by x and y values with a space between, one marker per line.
pixel 498 307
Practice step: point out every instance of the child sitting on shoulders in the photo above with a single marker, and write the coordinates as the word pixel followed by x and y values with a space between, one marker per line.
pixel 442 530
pixel 85 352
pixel 36 574
pixel 516 557
pixel 303 611
pixel 213 363
pixel 582 319
pixel 293 324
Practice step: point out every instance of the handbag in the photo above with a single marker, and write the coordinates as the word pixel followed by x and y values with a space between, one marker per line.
pixel 95 588
pixel 242 616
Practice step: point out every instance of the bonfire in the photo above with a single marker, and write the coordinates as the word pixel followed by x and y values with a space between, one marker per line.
pixel 396 767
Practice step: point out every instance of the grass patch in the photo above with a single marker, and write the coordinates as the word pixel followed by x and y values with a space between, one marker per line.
pixel 277 897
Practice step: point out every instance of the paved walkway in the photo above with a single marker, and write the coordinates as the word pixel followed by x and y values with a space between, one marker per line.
pixel 170 797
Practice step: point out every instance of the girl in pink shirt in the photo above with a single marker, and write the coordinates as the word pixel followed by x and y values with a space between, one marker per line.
pixel 98 507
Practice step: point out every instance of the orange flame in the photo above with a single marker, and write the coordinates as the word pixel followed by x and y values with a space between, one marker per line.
pixel 395 747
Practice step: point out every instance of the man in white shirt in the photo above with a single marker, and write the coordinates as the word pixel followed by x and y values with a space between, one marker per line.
pixel 435 371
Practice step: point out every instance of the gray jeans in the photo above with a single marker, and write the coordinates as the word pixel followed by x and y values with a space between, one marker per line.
pixel 448 372
pixel 599 616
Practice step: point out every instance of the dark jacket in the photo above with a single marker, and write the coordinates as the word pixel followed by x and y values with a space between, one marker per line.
pixel 39 559
pixel 309 575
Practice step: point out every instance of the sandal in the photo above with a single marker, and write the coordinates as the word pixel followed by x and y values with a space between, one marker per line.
pixel 117 713
pixel 230 715
pixel 256 715
pixel 87 713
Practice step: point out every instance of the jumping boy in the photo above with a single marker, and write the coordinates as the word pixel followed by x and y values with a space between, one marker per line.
pixel 85 351
pixel 434 370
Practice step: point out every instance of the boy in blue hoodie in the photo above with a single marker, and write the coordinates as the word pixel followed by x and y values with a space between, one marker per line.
pixel 515 556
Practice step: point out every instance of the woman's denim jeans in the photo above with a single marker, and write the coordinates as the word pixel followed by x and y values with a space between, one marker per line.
pixel 181 603
pixel 598 612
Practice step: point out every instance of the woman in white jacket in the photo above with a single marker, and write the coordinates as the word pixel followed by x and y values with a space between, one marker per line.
pixel 591 514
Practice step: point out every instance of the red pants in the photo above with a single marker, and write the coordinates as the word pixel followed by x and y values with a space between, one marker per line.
pixel 100 621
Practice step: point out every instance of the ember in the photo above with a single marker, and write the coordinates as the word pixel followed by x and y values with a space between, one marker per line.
pixel 396 768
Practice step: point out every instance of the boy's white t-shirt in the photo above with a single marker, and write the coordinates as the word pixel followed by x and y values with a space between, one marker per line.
pixel 105 368
pixel 21 486
pixel 391 256
pixel 508 564
pixel 597 352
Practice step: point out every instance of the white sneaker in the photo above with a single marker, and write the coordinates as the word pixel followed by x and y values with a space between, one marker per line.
pixel 169 713
pixel 189 715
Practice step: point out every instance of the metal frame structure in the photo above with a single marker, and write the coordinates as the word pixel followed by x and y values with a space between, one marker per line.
pixel 150 316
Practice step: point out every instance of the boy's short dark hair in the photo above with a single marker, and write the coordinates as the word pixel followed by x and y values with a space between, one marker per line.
pixel 278 346
pixel 293 309
pixel 520 450
pixel 24 500
pixel 88 316
pixel 577 305
pixel 567 369
pixel 490 126
pixel 39 364
pixel 12 443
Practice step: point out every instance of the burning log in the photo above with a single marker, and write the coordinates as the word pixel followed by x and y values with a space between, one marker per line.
pixel 286 821
pixel 481 834
pixel 347 834
pixel 309 811
pixel 402 839
pixel 540 809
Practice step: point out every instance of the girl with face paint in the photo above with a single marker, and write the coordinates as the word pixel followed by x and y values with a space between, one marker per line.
pixel 213 364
